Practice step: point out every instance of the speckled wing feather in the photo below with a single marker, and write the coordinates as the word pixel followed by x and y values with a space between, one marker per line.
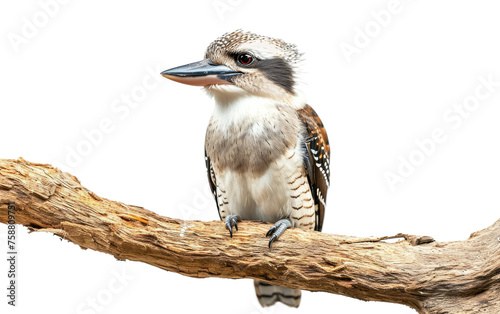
pixel 211 180
pixel 317 160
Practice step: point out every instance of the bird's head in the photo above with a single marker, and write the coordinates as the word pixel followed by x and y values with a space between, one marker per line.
pixel 243 62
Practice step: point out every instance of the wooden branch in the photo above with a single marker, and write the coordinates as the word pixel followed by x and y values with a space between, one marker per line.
pixel 431 277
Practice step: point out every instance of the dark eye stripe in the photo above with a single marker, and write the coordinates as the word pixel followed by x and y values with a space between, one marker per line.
pixel 278 71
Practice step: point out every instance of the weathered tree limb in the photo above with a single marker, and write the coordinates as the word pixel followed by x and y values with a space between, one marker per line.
pixel 431 277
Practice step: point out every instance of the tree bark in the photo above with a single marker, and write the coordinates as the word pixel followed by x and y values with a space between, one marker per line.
pixel 429 276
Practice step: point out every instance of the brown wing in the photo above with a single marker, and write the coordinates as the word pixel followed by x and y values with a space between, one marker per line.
pixel 317 160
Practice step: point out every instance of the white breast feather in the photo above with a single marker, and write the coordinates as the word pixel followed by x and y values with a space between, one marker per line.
pixel 267 197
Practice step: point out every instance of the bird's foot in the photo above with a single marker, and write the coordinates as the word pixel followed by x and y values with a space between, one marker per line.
pixel 277 230
pixel 231 221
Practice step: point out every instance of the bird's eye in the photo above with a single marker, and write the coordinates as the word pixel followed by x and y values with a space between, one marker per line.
pixel 245 59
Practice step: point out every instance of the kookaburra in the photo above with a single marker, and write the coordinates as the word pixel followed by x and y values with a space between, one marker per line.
pixel 266 150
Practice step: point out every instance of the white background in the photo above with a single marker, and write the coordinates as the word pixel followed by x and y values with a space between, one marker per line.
pixel 64 79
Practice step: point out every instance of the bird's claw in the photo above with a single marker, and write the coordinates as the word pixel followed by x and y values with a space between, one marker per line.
pixel 271 231
pixel 232 221
pixel 277 230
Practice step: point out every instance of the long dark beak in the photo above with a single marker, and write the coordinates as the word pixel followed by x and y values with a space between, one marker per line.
pixel 201 73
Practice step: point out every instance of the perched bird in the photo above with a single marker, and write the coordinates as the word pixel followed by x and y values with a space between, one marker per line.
pixel 266 150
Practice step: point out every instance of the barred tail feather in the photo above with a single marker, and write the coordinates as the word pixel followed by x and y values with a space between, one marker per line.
pixel 268 294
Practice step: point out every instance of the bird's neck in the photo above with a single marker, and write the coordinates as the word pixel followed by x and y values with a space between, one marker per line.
pixel 227 96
